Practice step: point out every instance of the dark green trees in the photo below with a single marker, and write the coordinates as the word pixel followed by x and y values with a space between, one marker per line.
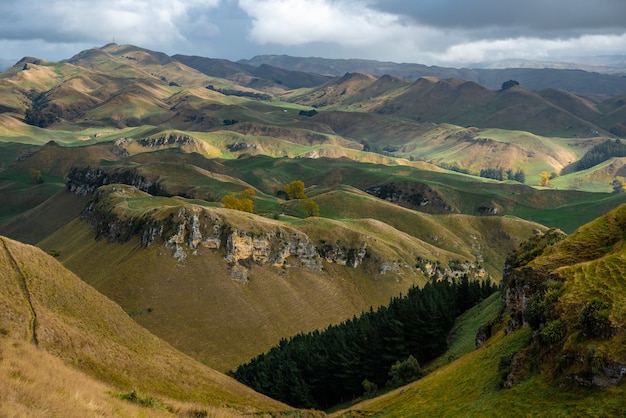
pixel 383 347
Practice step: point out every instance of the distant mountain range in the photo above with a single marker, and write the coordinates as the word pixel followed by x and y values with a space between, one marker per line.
pixel 571 78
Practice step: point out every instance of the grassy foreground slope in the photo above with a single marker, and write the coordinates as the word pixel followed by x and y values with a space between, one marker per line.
pixel 49 312
pixel 556 350
pixel 470 387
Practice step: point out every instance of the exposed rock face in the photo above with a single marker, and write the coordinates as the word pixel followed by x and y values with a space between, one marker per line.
pixel 531 294
pixel 85 180
pixel 166 140
pixel 191 229
pixel 412 195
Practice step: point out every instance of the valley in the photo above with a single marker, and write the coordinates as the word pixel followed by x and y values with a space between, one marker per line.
pixel 116 170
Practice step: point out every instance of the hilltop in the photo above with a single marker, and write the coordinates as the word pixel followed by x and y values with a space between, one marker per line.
pixel 447 121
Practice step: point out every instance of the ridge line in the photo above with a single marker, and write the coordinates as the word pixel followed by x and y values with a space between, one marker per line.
pixel 33 314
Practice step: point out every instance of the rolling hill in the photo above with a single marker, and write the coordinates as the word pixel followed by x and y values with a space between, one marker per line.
pixel 460 102
pixel 119 162
pixel 68 330
pixel 575 80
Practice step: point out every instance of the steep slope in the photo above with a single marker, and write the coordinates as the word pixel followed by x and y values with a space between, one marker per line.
pixel 251 76
pixel 557 347
pixel 468 103
pixel 47 306
pixel 173 261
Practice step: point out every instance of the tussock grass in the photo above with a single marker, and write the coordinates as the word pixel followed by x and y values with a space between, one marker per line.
pixel 89 332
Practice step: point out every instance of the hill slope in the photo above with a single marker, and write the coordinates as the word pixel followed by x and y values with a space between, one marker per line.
pixel 585 82
pixel 556 349
pixel 47 306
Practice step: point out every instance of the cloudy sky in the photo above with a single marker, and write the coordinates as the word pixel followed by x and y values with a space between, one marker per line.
pixel 441 32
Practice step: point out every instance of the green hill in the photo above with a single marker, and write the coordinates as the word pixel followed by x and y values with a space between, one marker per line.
pixel 232 273
pixel 556 348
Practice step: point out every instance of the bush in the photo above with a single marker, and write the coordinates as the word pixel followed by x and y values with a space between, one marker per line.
pixel 508 84
pixel 535 313
pixel 403 372
pixel 553 332
pixel 295 190
pixel 369 388
pixel 242 201
pixel 311 208
pixel 593 319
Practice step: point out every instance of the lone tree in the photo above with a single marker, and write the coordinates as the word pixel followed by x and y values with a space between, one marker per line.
pixel 508 84
pixel 242 201
pixel 545 179
pixel 311 208
pixel 295 190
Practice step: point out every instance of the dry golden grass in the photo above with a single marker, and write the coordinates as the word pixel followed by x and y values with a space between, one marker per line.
pixel 34 383
pixel 201 310
pixel 46 304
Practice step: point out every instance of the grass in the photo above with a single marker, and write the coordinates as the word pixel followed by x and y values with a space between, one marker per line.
pixel 92 334
pixel 463 335
pixel 589 266
pixel 469 386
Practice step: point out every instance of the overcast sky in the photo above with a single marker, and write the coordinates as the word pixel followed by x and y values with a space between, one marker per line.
pixel 441 32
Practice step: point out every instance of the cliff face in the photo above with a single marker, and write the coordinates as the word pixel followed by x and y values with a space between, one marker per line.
pixel 188 229
pixel 412 195
pixel 575 317
pixel 85 180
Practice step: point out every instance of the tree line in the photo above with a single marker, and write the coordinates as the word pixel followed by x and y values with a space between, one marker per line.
pixel 380 347
pixel 500 174
pixel 600 153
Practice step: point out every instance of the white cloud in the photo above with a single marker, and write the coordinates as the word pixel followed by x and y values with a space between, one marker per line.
pixel 145 22
pixel 443 32
pixel 360 29
pixel 298 22
pixel 532 48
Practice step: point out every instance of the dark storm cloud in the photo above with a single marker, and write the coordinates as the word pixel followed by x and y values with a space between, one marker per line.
pixel 545 18
pixel 426 31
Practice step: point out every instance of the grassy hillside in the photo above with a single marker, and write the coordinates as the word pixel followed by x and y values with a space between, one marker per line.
pixel 564 337
pixel 81 334
pixel 470 386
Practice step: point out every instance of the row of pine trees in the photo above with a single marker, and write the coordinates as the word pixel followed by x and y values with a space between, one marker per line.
pixel 321 369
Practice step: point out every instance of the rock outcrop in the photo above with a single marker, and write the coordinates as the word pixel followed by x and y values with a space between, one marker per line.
pixel 571 337
pixel 189 230
pixel 85 180
pixel 413 196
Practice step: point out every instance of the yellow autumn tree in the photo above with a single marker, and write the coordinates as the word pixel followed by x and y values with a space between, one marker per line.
pixel 311 208
pixel 544 179
pixel 241 201
pixel 295 190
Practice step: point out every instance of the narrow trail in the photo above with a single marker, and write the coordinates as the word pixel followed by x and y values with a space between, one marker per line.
pixel 24 286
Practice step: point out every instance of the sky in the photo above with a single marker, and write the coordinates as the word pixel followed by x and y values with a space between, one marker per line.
pixel 432 32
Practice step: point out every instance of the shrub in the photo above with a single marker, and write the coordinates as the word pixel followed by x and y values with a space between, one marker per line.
pixel 369 388
pixel 593 319
pixel 508 84
pixel 311 208
pixel 403 372
pixel 242 201
pixel 535 313
pixel 295 190
pixel 141 399
pixel 553 332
